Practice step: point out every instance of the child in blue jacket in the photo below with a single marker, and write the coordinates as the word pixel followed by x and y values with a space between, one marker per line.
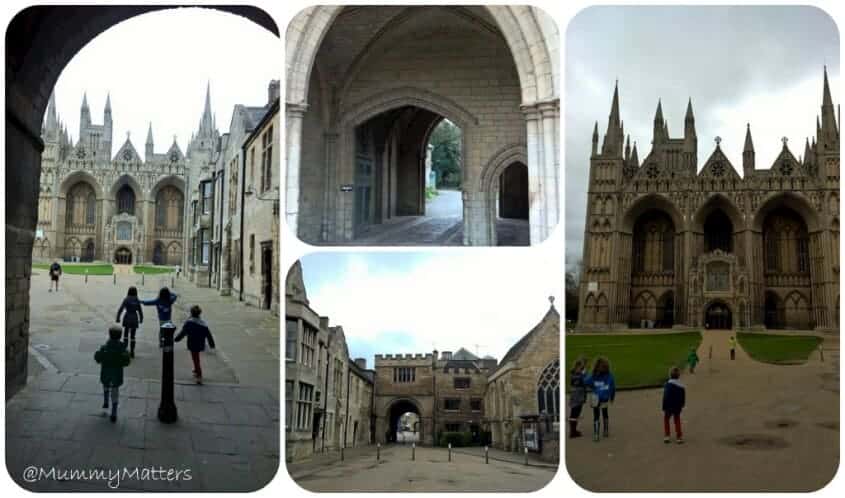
pixel 163 303
pixel 674 399
pixel 603 392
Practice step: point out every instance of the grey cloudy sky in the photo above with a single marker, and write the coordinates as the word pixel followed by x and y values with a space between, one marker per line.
pixel 761 65
pixel 156 67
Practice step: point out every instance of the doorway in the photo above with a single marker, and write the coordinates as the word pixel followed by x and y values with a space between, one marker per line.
pixel 88 251
pixel 266 275
pixel 718 316
pixel 123 256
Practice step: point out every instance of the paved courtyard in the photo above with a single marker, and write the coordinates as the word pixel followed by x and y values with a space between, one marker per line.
pixel 429 471
pixel 748 426
pixel 227 436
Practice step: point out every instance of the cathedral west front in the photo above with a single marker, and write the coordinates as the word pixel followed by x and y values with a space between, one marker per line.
pixel 669 244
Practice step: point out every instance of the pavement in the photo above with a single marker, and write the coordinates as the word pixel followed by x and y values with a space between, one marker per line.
pixel 748 426
pixel 401 469
pixel 442 225
pixel 227 435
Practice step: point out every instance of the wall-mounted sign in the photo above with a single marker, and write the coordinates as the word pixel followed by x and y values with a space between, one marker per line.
pixel 346 188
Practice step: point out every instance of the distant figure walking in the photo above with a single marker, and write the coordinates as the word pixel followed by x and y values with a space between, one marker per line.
pixel 603 392
pixel 674 399
pixel 692 360
pixel 733 348
pixel 55 273
pixel 198 333
pixel 133 317
pixel 113 358
pixel 578 395
pixel 163 303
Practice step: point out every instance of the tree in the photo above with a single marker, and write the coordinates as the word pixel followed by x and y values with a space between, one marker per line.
pixel 445 144
pixel 573 275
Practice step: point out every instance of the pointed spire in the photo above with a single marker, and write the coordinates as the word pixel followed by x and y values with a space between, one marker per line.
pixel 749 145
pixel 628 147
pixel 85 100
pixel 689 116
pixel 826 99
pixel 634 160
pixel 150 134
pixel 658 116
pixel 806 149
pixel 51 124
pixel 614 107
pixel 108 102
pixel 596 139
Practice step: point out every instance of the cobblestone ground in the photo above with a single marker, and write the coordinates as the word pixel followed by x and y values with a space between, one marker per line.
pixel 228 430
pixel 429 471
pixel 748 426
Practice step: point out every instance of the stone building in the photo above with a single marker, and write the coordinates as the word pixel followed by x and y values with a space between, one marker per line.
pixel 522 399
pixel 332 401
pixel 93 205
pixel 328 397
pixel 366 85
pixel 668 244
pixel 235 205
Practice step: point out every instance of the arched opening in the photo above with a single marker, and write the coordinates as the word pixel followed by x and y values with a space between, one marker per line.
pixel 717 316
pixel 652 269
pixel 718 232
pixel 88 252
pixel 666 310
pixel 81 207
pixel 158 253
pixel 169 212
pixel 786 270
pixel 408 178
pixel 548 393
pixel 125 200
pixel 73 249
pixel 123 256
pixel 407 411
pixel 512 223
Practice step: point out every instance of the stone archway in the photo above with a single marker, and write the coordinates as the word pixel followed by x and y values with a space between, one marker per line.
pixel 718 316
pixel 33 63
pixel 395 411
pixel 529 36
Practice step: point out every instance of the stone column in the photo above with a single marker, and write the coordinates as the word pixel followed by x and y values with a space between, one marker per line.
pixel 329 187
pixel 294 114
pixel 536 173
pixel 550 118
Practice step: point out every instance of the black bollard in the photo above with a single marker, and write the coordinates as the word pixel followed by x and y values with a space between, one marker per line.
pixel 86 276
pixel 413 451
pixel 378 452
pixel 341 453
pixel 114 278
pixel 526 455
pixel 821 353
pixel 486 455
pixel 450 452
pixel 142 278
pixel 167 408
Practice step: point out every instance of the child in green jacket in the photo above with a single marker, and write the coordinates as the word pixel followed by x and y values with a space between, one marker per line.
pixel 692 360
pixel 113 358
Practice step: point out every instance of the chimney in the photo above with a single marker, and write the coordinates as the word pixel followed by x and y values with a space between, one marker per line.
pixel 272 92
pixel 361 362
pixel 447 355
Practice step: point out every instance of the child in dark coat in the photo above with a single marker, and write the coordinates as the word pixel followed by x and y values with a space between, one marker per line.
pixel 113 358
pixel 577 396
pixel 198 333
pixel 674 398
pixel 133 317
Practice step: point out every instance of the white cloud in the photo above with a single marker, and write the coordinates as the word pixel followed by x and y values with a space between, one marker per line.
pixel 443 300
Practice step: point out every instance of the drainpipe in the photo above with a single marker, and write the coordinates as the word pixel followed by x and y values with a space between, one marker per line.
pixel 220 232
pixel 434 396
pixel 243 209
pixel 326 393
pixel 211 242
pixel 346 422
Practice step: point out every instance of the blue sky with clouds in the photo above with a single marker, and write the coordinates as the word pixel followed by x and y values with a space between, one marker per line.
pixel 414 302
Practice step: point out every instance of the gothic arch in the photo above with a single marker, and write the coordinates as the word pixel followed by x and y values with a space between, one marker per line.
pixel 524 28
pixel 503 158
pixel 129 180
pixel 794 201
pixel 169 180
pixel 75 177
pixel 648 202
pixel 409 96
pixel 714 202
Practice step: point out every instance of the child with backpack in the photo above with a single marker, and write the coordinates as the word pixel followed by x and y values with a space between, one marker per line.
pixel 163 303
pixel 674 399
pixel 133 317
pixel 603 387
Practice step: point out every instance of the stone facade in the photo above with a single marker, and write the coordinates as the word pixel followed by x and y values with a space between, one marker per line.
pixel 234 237
pixel 668 245
pixel 522 400
pixel 447 392
pixel 95 206
pixel 367 84
pixel 328 397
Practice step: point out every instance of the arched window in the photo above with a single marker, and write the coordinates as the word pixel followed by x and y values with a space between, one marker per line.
pixel 548 391
pixel 668 249
pixel 169 213
pixel 81 205
pixel 718 232
pixel 126 200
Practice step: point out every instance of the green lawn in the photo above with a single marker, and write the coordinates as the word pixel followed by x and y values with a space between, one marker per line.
pixel 635 360
pixel 78 269
pixel 770 348
pixel 152 270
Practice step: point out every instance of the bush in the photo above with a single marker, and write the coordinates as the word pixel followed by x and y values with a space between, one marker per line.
pixel 458 439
